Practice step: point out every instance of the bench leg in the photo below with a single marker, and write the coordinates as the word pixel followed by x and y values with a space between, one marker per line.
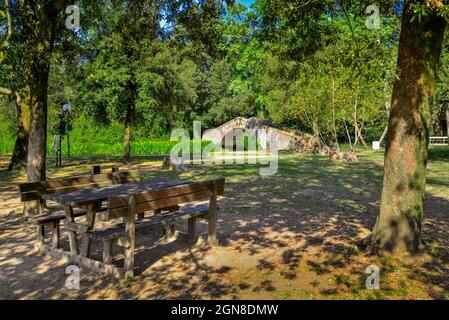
pixel 41 235
pixel 55 235
pixel 31 208
pixel 169 231
pixel 130 237
pixel 90 221
pixel 212 237
pixel 107 252
pixel 191 229
pixel 129 259
pixel 73 241
pixel 213 218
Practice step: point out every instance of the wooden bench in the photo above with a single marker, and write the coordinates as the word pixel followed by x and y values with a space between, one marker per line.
pixel 127 207
pixel 31 194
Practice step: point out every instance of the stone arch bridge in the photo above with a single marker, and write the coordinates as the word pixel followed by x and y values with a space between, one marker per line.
pixel 268 135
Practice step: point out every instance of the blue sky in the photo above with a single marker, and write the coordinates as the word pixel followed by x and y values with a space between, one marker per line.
pixel 248 3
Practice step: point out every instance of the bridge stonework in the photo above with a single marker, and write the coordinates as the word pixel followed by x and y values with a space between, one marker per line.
pixel 269 136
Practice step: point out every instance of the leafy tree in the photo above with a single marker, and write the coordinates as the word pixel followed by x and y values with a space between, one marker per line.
pixel 143 72
pixel 398 226
pixel 37 25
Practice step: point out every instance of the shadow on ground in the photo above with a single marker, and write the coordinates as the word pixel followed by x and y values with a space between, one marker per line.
pixel 287 236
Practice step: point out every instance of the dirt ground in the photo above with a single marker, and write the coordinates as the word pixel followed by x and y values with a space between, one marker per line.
pixel 287 236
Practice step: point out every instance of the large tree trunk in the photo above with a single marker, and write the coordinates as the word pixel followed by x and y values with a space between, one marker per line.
pixel 42 22
pixel 19 156
pixel 36 170
pixel 398 226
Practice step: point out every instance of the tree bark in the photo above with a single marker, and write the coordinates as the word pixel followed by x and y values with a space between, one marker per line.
pixel 356 126
pixel 36 169
pixel 42 22
pixel 334 125
pixel 387 103
pixel 348 135
pixel 437 115
pixel 384 134
pixel 447 123
pixel 131 94
pixel 362 139
pixel 127 144
pixel 19 156
pixel 437 130
pixel 398 226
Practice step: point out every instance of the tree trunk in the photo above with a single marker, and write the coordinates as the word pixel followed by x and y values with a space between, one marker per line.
pixel 387 103
pixel 127 144
pixel 131 94
pixel 362 139
pixel 42 23
pixel 19 156
pixel 447 122
pixel 384 134
pixel 356 126
pixel 38 126
pixel 398 226
pixel 437 130
pixel 334 125
pixel 348 135
pixel 436 117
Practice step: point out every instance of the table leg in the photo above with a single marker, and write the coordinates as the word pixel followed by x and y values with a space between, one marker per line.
pixel 90 221
pixel 72 235
pixel 130 237
pixel 55 234
pixel 191 229
pixel 213 217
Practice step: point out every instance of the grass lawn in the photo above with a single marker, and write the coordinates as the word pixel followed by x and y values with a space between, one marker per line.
pixel 287 236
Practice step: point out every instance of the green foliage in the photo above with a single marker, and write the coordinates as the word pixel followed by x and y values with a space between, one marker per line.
pixel 7 139
pixel 160 65
pixel 87 138
pixel 249 142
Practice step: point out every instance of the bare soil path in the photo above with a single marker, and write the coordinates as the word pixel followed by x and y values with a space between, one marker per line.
pixel 287 236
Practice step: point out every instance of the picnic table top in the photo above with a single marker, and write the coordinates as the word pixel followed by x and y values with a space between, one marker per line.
pixel 76 198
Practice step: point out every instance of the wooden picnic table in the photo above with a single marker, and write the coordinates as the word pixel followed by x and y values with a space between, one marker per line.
pixel 127 201
pixel 91 199
pixel 85 197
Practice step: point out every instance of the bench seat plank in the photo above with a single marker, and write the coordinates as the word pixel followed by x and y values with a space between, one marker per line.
pixel 55 216
pixel 59 215
pixel 118 230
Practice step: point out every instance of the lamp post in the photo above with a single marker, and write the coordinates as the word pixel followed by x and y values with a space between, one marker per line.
pixel 67 110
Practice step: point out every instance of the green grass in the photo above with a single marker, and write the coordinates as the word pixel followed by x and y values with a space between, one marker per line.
pixel 7 138
pixel 140 147
pixel 85 139
pixel 282 217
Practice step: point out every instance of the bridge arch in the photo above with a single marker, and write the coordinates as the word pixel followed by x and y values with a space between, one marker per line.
pixel 264 131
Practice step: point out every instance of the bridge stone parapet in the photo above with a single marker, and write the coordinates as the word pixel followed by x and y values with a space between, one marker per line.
pixel 268 135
